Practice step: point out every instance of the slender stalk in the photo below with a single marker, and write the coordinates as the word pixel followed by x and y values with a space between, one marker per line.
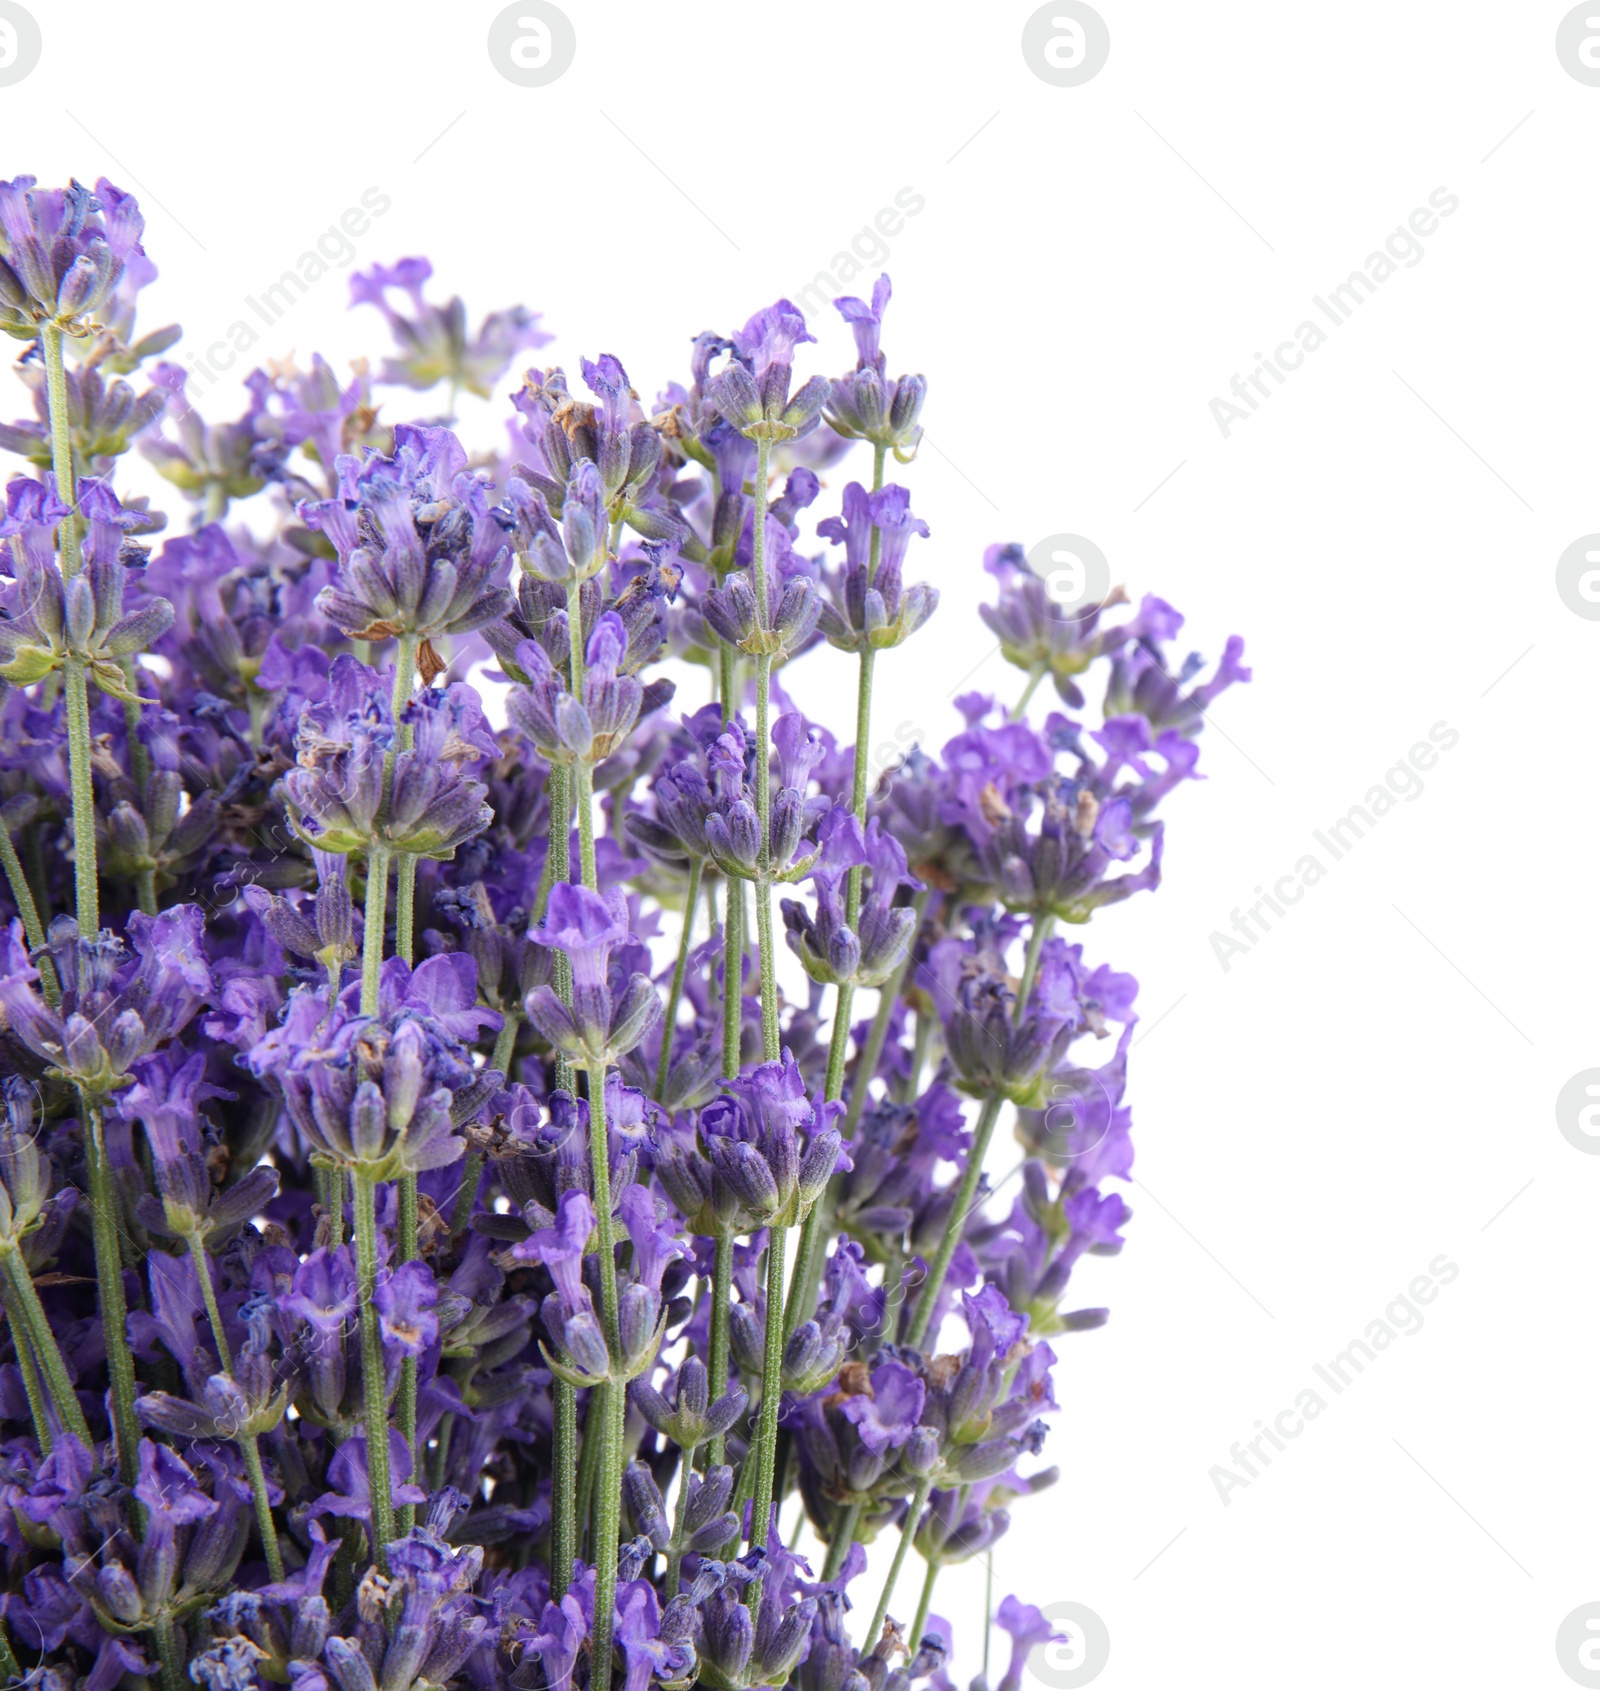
pixel 685 942
pixel 85 869
pixel 103 1217
pixel 1035 676
pixel 728 680
pixel 771 1387
pixel 717 1344
pixel 564 1527
pixel 758 576
pixel 28 1369
pixel 407 1396
pixel 918 1502
pixel 248 1446
pixel 9 1665
pixel 75 678
pixel 844 1533
pixel 22 897
pixel 559 862
pixel 928 1583
pixel 165 1631
pixel 69 1412
pixel 613 1405
pixel 374 1398
pixel 680 1521
pixel 1042 926
pixel 733 979
pixel 377 907
pixel 959 1211
pixel 55 378
pixel 920 1042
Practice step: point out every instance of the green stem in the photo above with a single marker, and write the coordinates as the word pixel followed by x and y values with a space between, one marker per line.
pixel 920 1041
pixel 717 1343
pixel 372 1386
pixel 728 679
pixel 564 1528
pixel 377 907
pixel 22 897
pixel 248 1446
pixel 844 1532
pixel 559 861
pixel 680 1521
pixel 758 577
pixel 407 1415
pixel 1042 926
pixel 733 979
pixel 612 1407
pixel 685 941
pixel 915 1634
pixel 1035 676
pixel 405 902
pixel 85 868
pixel 55 376
pixel 166 1636
pixel 28 1369
pixel 771 1387
pixel 69 1412
pixel 959 1211
pixel 9 1665
pixel 104 1216
pixel 917 1503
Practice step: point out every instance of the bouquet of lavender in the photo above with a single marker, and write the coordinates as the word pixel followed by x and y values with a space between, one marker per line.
pixel 436 1251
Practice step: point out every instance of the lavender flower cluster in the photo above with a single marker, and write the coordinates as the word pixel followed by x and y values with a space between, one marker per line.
pixel 436 1251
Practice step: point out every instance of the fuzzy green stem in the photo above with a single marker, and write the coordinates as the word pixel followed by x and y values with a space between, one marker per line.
pixel 75 678
pixel 22 897
pixel 758 576
pixel 844 1532
pixel 55 378
pixel 377 907
pixel 165 1631
pixel 680 1521
pixel 685 941
pixel 928 1583
pixel 959 1211
pixel 771 1387
pixel 559 862
pixel 85 868
pixel 733 979
pixel 372 1384
pixel 612 1404
pixel 564 1526
pixel 36 1328
pixel 407 1405
pixel 104 1221
pixel 1042 926
pixel 248 1446
pixel 918 1502
pixel 29 1370
pixel 22 1341
pixel 717 1343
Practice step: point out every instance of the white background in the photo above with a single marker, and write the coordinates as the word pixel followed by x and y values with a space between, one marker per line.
pixel 1374 1084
